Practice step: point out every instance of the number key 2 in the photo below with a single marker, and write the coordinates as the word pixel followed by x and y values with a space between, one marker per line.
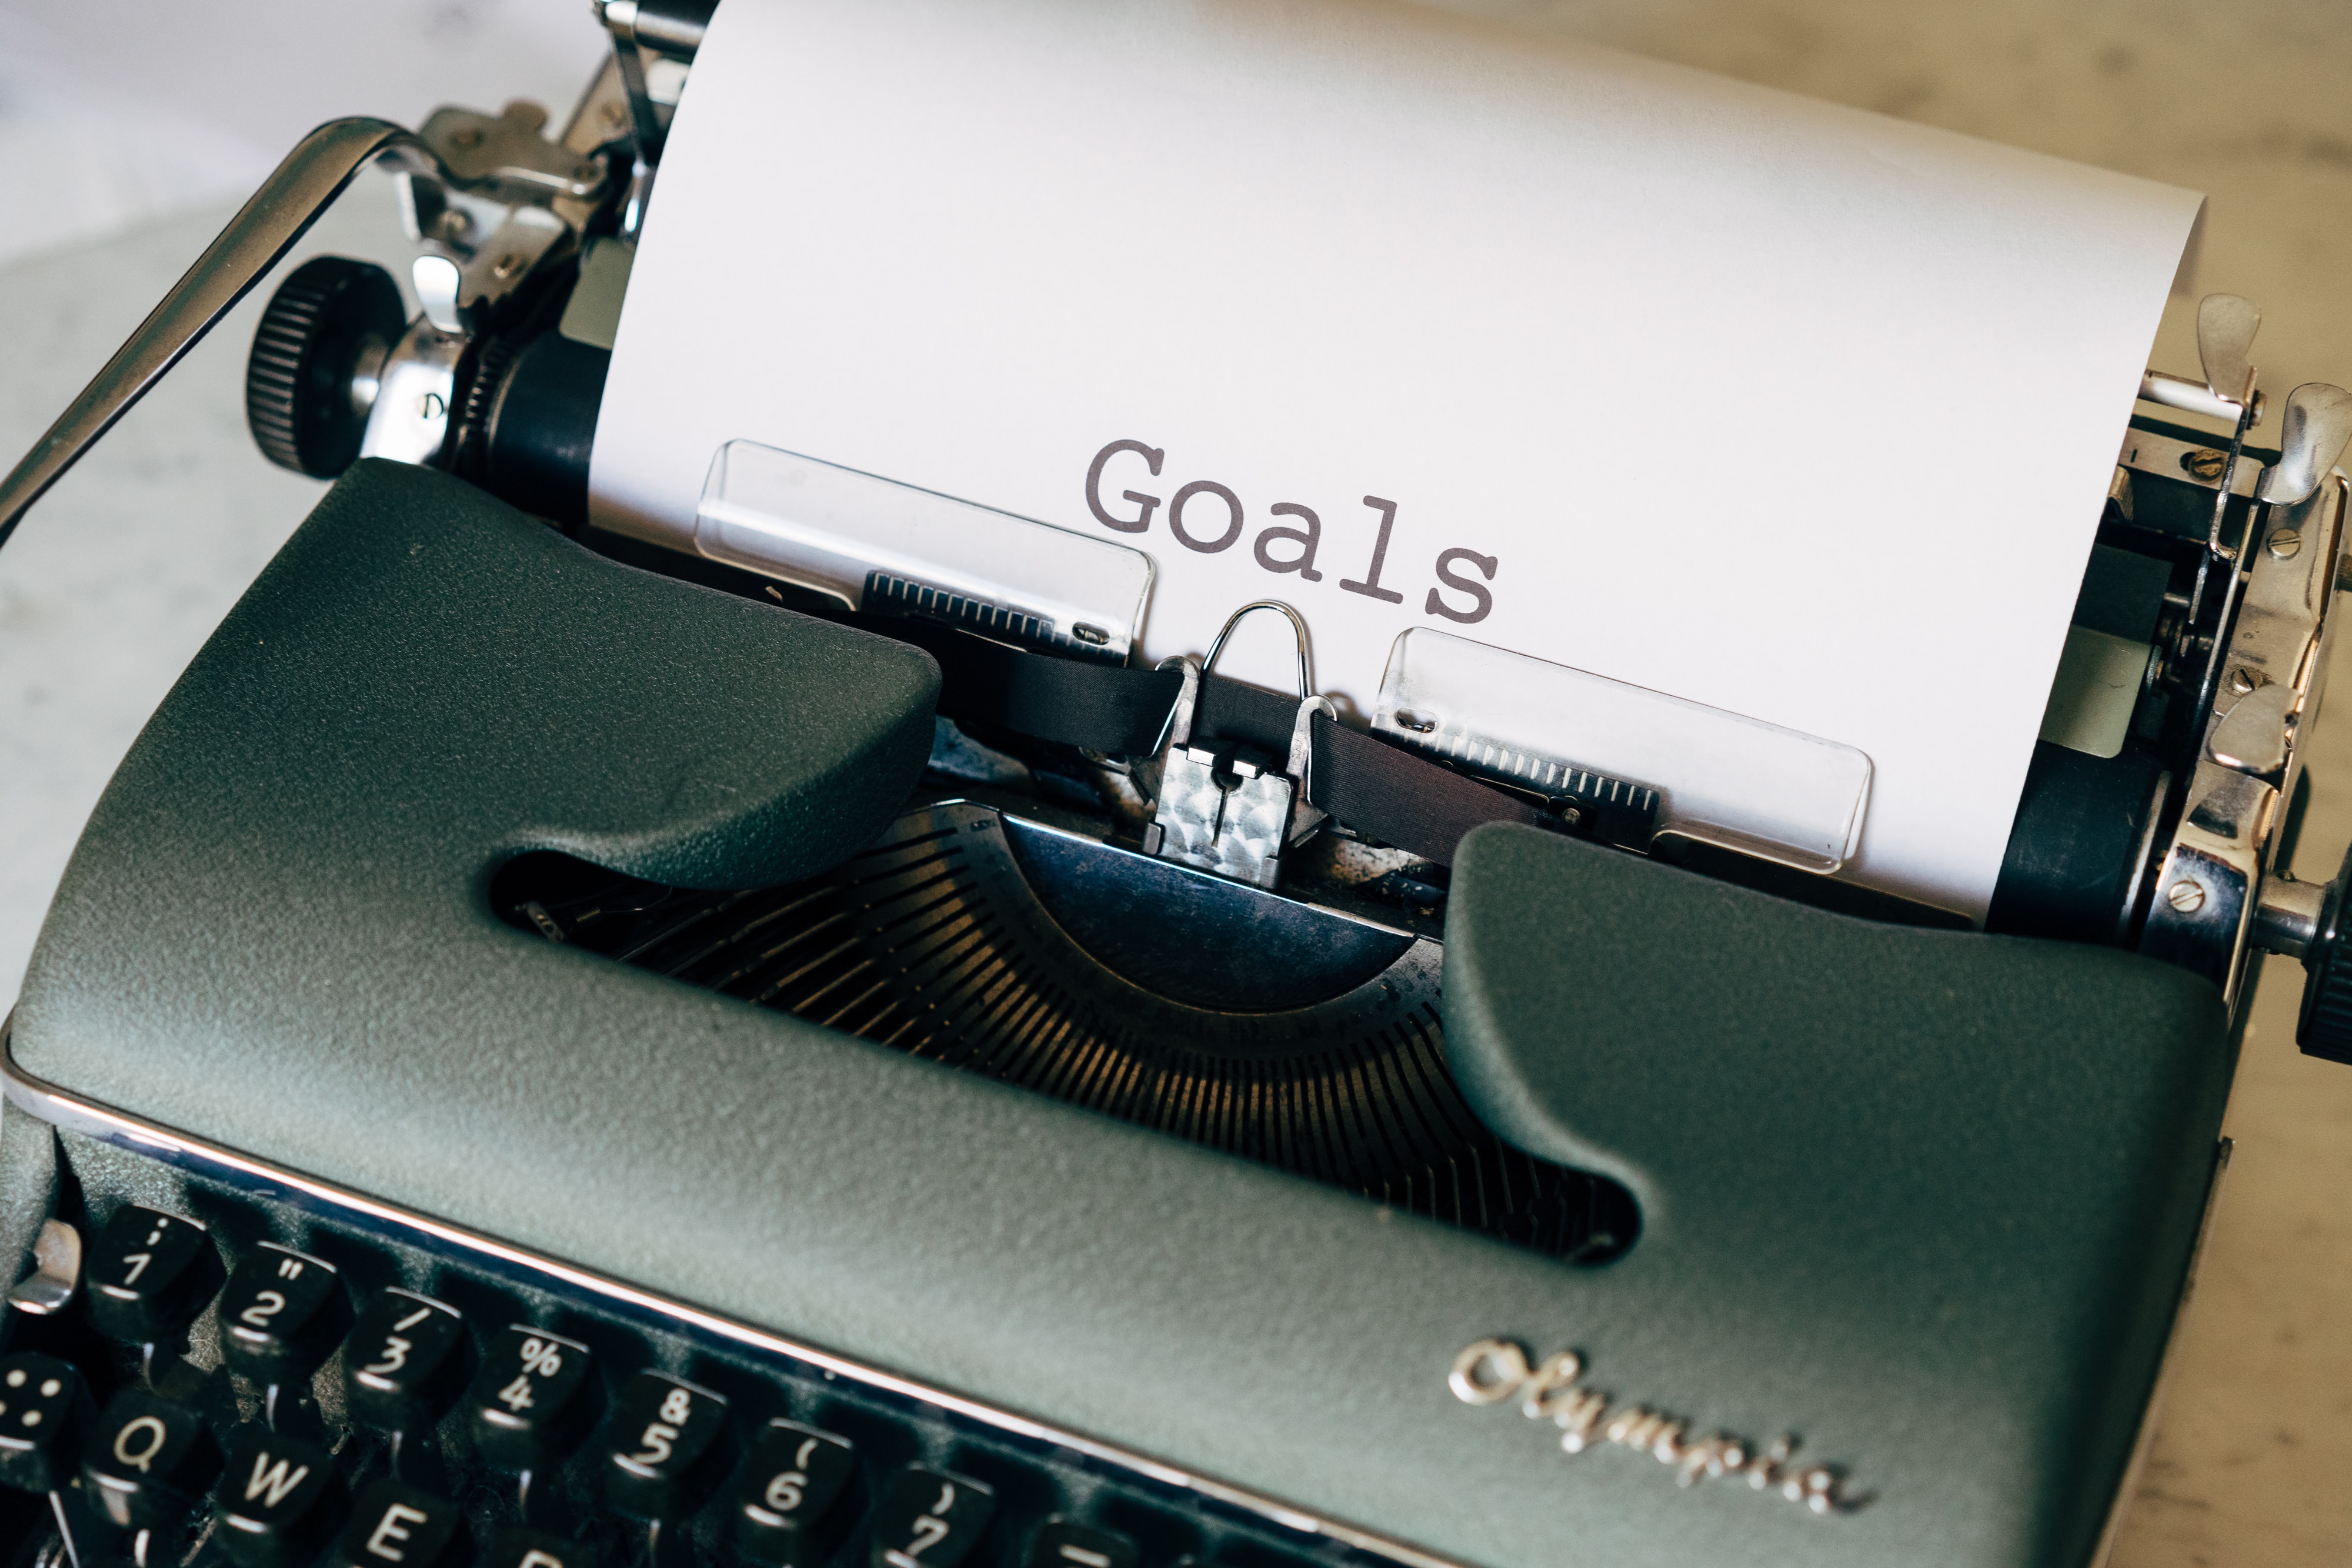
pixel 929 1519
pixel 404 1361
pixel 531 1401
pixel 282 1314
pixel 149 1275
pixel 663 1431
pixel 791 1478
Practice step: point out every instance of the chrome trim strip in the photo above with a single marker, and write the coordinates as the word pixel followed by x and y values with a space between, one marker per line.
pixel 61 1108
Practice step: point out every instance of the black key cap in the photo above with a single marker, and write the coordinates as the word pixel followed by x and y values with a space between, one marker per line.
pixel 532 1400
pixel 929 1519
pixel 282 1314
pixel 791 1478
pixel 664 1441
pixel 278 1502
pixel 404 1361
pixel 149 1276
pixel 148 1461
pixel 45 1418
pixel 515 1547
pixel 1065 1544
pixel 397 1526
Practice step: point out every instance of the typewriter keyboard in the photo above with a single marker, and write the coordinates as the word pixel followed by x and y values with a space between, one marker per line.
pixel 250 1376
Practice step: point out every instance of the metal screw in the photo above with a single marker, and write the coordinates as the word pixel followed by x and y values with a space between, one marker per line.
pixel 1418 723
pixel 2205 462
pixel 506 266
pixel 2187 896
pixel 2242 680
pixel 2284 542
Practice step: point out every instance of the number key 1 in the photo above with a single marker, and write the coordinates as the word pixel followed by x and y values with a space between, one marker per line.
pixel 404 1362
pixel 149 1275
pixel 791 1478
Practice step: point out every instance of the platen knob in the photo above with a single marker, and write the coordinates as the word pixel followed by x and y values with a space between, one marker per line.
pixel 2325 1026
pixel 312 377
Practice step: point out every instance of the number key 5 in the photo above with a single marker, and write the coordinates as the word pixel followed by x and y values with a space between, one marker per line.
pixel 665 1448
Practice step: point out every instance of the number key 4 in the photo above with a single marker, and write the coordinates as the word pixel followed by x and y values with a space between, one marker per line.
pixel 282 1314
pixel 532 1400
pixel 404 1361
pixel 665 1448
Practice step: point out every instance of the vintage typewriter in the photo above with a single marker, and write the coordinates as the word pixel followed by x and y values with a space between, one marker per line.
pixel 558 1051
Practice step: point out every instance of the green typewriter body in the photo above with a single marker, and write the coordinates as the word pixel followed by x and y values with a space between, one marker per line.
pixel 1921 1201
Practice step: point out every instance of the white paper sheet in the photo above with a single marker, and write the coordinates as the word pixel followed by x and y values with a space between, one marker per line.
pixel 1769 404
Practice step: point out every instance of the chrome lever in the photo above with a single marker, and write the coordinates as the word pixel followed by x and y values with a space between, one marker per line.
pixel 2313 434
pixel 313 174
pixel 57 1271
pixel 2226 325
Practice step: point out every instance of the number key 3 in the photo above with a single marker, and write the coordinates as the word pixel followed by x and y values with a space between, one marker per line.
pixel 404 1361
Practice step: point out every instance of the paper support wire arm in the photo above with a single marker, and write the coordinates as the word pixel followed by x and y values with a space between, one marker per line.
pixel 313 174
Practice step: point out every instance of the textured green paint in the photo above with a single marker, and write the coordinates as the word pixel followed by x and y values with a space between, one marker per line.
pixel 1896 1187
pixel 1948 1182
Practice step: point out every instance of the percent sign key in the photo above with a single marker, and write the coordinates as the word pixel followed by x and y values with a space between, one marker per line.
pixel 533 1399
